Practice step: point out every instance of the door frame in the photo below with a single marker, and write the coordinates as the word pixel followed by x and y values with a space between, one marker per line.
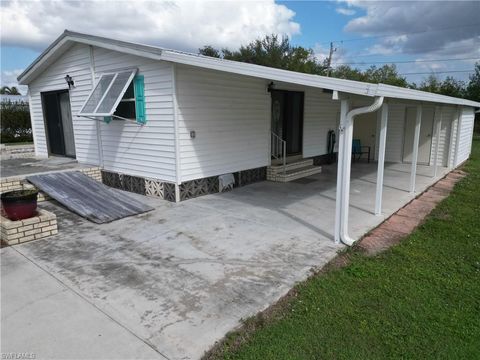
pixel 44 113
pixel 284 127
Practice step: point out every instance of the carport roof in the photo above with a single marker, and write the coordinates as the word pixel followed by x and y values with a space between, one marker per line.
pixel 68 38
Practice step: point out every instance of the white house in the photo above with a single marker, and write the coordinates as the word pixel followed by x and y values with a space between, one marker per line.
pixel 168 123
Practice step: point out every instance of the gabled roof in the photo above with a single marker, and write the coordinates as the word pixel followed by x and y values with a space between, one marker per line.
pixel 68 38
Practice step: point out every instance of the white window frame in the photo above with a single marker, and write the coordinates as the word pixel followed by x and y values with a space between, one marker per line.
pixel 117 101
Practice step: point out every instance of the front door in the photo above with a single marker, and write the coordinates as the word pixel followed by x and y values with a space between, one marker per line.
pixel 58 123
pixel 425 140
pixel 287 119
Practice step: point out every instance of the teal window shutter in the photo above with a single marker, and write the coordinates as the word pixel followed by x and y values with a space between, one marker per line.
pixel 138 86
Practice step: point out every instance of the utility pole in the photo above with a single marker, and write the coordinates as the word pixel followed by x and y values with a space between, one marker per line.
pixel 329 59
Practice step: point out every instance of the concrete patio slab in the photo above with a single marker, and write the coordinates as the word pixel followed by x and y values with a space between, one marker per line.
pixel 42 317
pixel 27 166
pixel 183 275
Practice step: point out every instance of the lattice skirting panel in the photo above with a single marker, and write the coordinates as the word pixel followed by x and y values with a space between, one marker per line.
pixel 139 185
pixel 188 190
pixel 250 176
pixel 194 188
pixel 199 187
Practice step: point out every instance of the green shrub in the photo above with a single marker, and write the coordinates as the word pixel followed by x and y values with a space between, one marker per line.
pixel 15 122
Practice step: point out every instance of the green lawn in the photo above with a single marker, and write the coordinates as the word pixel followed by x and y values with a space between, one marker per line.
pixel 421 299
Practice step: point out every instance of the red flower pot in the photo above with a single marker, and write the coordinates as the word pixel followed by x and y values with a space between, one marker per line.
pixel 19 204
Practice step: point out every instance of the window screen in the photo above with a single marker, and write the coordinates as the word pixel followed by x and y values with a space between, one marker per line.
pixel 107 94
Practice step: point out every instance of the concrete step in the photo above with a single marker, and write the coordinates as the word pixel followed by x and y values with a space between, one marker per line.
pixel 294 174
pixel 278 168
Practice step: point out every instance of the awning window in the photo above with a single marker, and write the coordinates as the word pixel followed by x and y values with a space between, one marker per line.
pixel 105 97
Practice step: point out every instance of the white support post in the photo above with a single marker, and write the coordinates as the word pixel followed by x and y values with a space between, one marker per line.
pixel 381 159
pixel 416 140
pixel 457 141
pixel 344 107
pixel 438 127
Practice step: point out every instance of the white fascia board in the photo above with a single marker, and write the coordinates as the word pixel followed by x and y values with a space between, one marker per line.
pixel 133 49
pixel 411 94
pixel 340 85
pixel 263 72
pixel 258 71
pixel 114 47
pixel 23 79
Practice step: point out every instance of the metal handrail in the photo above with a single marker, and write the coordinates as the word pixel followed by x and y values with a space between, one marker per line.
pixel 279 149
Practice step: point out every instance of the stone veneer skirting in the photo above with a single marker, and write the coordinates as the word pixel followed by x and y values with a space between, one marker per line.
pixel 186 190
pixel 37 227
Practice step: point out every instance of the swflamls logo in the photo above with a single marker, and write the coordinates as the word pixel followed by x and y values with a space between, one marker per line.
pixel 18 356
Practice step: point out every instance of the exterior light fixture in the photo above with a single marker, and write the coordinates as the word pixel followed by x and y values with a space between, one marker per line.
pixel 69 81
pixel 271 86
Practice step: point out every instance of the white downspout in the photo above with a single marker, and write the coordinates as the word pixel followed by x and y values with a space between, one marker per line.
pixel 346 166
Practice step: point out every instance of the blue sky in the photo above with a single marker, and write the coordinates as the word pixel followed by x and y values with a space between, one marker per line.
pixel 372 31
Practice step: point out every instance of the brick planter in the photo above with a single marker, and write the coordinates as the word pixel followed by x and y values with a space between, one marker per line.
pixel 37 227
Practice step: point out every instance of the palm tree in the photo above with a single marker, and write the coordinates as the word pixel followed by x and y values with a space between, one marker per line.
pixel 9 90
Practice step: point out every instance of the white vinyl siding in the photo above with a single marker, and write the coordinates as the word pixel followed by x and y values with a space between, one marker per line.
pixel 395 133
pixel 230 115
pixel 76 63
pixel 466 134
pixel 127 147
pixel 321 114
pixel 446 116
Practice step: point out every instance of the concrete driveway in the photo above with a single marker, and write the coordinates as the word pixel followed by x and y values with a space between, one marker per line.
pixel 171 282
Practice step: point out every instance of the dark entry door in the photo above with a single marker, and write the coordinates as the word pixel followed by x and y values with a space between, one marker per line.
pixel 58 123
pixel 287 118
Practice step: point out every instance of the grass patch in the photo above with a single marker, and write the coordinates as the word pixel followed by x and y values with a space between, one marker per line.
pixel 420 299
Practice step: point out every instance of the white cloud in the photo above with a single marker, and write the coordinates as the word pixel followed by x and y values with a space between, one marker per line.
pixel 427 30
pixel 185 25
pixel 345 11
pixel 428 26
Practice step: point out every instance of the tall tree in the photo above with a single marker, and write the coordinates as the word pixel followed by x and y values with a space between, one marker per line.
pixel 387 74
pixel 5 90
pixel 271 51
pixel 472 91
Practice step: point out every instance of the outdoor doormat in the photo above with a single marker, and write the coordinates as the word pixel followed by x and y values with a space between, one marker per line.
pixel 88 198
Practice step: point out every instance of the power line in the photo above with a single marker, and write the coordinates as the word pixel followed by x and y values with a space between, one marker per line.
pixel 437 72
pixel 406 33
pixel 404 61
pixel 465 46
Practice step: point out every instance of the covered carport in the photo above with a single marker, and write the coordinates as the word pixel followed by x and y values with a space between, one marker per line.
pixel 446 149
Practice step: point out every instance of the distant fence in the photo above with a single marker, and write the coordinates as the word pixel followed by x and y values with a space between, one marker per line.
pixel 15 122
